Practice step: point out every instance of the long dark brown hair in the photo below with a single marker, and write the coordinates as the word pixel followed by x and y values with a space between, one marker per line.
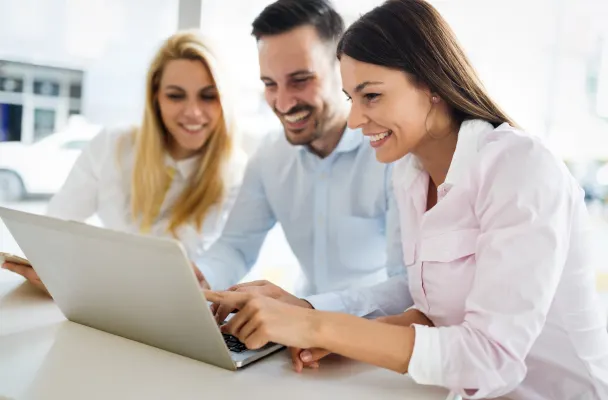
pixel 411 36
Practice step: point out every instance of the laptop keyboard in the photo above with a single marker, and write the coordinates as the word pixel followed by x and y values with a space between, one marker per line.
pixel 234 344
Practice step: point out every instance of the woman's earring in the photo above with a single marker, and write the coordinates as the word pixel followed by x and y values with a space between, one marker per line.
pixel 435 99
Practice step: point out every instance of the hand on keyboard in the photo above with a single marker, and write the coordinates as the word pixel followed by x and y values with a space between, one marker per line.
pixel 234 344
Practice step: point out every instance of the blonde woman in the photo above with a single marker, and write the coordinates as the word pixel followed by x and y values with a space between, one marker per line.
pixel 178 173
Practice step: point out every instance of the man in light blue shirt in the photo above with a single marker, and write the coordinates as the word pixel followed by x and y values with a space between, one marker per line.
pixel 318 179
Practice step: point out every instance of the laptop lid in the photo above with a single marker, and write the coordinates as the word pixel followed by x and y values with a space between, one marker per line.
pixel 138 287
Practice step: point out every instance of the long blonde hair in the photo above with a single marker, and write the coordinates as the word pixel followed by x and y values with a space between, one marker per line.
pixel 150 178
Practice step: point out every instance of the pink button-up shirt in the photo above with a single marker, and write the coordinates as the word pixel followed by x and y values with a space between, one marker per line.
pixel 499 266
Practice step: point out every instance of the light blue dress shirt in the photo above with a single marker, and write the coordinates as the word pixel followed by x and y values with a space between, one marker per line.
pixel 338 214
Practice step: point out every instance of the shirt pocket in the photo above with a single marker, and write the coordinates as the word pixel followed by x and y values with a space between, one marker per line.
pixel 362 243
pixel 447 269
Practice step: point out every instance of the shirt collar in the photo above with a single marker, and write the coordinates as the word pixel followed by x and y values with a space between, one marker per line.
pixel 351 139
pixel 467 146
pixel 184 168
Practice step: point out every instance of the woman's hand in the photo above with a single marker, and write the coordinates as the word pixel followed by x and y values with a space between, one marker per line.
pixel 310 358
pixel 28 273
pixel 261 320
pixel 262 288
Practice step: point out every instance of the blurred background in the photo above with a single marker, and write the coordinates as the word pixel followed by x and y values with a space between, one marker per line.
pixel 69 68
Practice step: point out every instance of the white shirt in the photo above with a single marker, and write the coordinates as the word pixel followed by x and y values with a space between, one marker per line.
pixel 100 184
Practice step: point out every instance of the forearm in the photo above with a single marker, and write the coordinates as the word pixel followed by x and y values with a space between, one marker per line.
pixel 410 317
pixel 384 345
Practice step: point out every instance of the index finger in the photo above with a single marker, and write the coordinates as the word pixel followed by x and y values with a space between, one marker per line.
pixel 248 284
pixel 21 269
pixel 230 299
pixel 222 312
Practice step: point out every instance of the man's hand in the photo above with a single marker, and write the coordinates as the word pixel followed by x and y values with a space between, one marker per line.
pixel 306 358
pixel 200 277
pixel 261 288
pixel 28 273
pixel 262 320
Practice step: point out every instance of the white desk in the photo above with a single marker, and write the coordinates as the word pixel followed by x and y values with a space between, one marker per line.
pixel 44 356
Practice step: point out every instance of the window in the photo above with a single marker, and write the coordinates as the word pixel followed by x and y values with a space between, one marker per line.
pixel 11 116
pixel 44 123
pixel 46 87
pixel 33 87
pixel 11 85
pixel 75 90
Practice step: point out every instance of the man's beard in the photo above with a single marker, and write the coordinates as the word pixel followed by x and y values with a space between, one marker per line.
pixel 306 135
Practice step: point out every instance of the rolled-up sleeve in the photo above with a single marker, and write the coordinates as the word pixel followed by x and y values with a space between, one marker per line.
pixel 524 205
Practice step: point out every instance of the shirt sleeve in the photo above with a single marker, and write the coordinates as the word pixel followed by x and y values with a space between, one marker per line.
pixel 77 198
pixel 390 297
pixel 230 258
pixel 525 204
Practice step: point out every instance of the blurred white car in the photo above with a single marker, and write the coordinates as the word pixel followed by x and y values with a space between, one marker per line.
pixel 42 167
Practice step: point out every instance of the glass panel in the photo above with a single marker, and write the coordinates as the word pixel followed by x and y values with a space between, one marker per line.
pixel 75 90
pixel 11 85
pixel 44 123
pixel 11 116
pixel 46 88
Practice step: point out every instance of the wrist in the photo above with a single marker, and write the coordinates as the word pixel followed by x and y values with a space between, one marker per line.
pixel 319 328
pixel 295 301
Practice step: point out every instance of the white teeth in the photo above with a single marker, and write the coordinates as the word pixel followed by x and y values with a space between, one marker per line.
pixel 193 128
pixel 379 136
pixel 297 116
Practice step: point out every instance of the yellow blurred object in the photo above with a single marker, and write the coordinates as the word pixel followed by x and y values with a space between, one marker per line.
pixel 601 281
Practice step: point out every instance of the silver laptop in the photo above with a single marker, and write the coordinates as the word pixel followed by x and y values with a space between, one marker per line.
pixel 138 287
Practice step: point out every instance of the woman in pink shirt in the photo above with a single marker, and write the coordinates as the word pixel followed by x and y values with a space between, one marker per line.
pixel 493 232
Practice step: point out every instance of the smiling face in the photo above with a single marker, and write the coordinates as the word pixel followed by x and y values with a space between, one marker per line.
pixel 189 106
pixel 302 84
pixel 387 106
